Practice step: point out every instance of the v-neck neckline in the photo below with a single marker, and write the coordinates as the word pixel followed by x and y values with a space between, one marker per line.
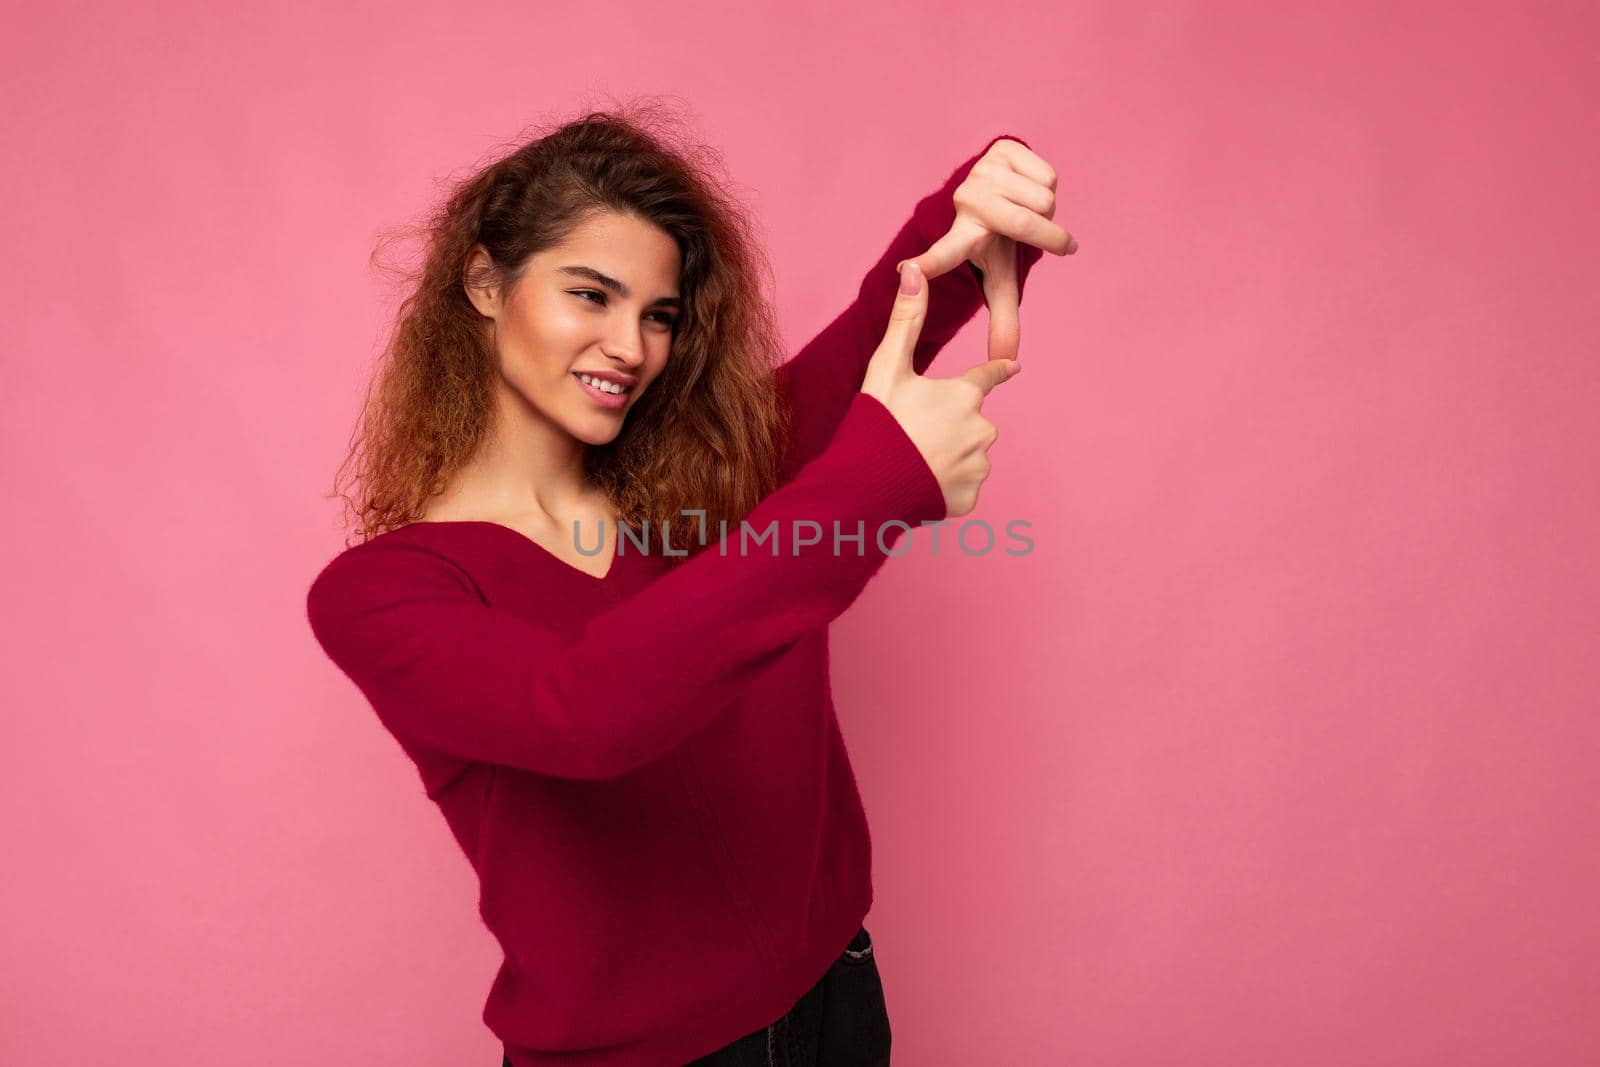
pixel 611 566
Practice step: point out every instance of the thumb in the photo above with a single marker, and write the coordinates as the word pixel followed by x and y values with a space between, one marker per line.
pixel 990 374
pixel 948 252
pixel 905 322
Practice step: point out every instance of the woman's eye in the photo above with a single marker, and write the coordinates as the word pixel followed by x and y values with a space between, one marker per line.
pixel 665 318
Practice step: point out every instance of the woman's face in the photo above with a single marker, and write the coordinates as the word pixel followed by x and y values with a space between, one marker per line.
pixel 601 304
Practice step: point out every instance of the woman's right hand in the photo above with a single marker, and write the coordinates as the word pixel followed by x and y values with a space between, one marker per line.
pixel 942 416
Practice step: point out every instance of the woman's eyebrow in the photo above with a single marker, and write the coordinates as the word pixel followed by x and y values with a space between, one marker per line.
pixel 614 285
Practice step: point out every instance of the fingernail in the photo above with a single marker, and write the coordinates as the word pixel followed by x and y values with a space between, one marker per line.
pixel 1072 245
pixel 1013 370
pixel 910 280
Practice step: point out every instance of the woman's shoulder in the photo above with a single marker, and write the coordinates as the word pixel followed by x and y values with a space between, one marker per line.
pixel 424 555
pixel 425 537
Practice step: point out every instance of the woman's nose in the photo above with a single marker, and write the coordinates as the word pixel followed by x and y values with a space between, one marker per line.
pixel 625 344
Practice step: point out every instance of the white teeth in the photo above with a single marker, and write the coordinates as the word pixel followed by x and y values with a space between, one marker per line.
pixel 603 386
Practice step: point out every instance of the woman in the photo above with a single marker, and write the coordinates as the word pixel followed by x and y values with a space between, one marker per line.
pixel 629 730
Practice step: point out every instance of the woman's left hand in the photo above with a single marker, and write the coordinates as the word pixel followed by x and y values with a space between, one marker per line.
pixel 1009 195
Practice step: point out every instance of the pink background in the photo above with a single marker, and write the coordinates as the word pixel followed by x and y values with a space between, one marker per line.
pixel 1279 748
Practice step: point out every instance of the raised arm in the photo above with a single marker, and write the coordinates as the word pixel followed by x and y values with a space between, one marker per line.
pixel 448 671
pixel 818 382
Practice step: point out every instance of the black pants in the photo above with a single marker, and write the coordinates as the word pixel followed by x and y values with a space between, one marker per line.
pixel 842 1022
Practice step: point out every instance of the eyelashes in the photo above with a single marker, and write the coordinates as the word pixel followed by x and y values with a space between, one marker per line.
pixel 667 318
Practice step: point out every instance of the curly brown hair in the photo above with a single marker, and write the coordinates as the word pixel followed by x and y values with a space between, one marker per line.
pixel 710 432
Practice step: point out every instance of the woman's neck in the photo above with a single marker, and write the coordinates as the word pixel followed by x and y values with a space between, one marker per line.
pixel 525 471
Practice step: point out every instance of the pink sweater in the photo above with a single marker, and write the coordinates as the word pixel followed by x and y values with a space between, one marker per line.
pixel 645 770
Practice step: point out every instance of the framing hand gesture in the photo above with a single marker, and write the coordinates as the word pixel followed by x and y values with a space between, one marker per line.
pixel 1008 196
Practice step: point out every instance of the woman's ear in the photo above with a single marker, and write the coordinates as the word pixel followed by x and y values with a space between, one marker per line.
pixel 480 281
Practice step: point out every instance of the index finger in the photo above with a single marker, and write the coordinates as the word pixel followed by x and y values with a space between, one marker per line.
pixel 1004 297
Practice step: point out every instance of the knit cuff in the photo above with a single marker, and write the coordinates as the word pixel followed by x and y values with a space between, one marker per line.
pixel 872 436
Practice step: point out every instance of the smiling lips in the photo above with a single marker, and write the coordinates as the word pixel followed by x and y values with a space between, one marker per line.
pixel 608 390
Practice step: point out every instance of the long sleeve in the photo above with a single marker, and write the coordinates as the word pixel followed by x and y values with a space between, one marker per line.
pixel 817 383
pixel 446 670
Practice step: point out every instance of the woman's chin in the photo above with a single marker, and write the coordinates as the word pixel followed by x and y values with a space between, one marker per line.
pixel 594 430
